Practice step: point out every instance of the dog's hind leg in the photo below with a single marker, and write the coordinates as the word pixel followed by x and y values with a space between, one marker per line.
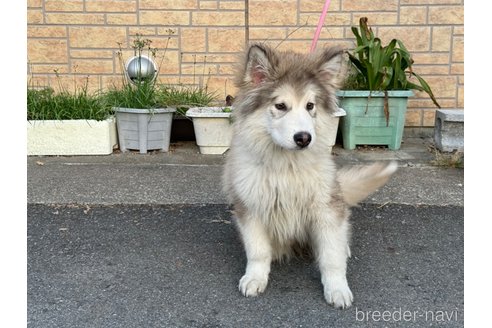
pixel 259 255
pixel 330 241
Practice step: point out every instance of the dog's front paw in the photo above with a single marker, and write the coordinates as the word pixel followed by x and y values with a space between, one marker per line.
pixel 252 285
pixel 339 294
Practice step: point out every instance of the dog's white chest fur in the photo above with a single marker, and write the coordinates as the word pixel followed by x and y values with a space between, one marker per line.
pixel 284 191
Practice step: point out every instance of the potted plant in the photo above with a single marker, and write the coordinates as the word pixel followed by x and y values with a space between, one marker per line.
pixel 68 123
pixel 183 98
pixel 213 129
pixel 376 91
pixel 143 122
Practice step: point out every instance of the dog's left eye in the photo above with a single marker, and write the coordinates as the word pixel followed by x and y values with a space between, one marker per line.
pixel 280 106
pixel 309 106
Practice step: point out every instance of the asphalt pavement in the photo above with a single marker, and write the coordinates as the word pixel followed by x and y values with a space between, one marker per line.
pixel 131 240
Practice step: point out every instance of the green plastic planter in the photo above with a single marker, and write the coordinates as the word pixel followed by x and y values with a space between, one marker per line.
pixel 365 122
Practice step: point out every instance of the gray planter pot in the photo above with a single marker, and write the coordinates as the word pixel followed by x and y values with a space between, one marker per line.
pixel 144 129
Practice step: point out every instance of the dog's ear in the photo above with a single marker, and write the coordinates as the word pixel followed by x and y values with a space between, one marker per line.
pixel 332 66
pixel 260 64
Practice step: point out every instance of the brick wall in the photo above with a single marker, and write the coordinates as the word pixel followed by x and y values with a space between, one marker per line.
pixel 79 39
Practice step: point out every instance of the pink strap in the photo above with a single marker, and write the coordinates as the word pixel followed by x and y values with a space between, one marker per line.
pixel 320 25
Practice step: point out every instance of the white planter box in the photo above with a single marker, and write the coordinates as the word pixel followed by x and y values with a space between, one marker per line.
pixel 213 129
pixel 71 137
pixel 333 126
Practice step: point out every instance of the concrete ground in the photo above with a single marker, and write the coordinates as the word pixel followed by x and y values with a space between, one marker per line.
pixel 130 240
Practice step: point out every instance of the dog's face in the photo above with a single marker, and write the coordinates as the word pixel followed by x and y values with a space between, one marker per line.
pixel 291 90
pixel 291 117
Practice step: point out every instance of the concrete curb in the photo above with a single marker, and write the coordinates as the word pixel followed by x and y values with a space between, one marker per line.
pixel 187 177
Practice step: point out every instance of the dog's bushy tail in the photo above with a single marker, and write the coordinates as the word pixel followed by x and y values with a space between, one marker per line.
pixel 358 182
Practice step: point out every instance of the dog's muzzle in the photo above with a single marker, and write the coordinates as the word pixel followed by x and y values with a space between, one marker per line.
pixel 302 139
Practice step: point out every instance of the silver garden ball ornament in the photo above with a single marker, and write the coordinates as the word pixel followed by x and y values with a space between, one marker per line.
pixel 140 68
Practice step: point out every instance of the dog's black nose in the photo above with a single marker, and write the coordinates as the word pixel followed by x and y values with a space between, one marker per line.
pixel 302 139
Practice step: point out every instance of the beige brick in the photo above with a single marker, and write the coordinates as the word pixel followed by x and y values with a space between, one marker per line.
pixel 164 42
pixel 111 5
pixel 414 38
pixel 316 6
pixel 431 58
pixel 429 2
pixel 457 69
pixel 93 54
pixel 193 40
pixel 97 37
pixel 382 18
pixel 458 49
pixel 168 4
pixel 146 31
pixel 72 82
pixel 34 3
pixel 210 58
pixel 222 85
pixel 301 46
pixel 429 117
pixel 193 58
pixel 111 81
pixel 34 16
pixel 226 40
pixel 262 33
pixel 458 30
pixel 413 118
pixel 329 43
pixel 460 103
pixel 126 53
pixel 177 80
pixel 164 17
pixel 48 69
pixel 168 62
pixel 167 31
pixel 226 69
pixel 275 12
pixel 216 18
pixel 442 86
pixel 46 31
pixel 65 5
pixel 172 43
pixel 441 38
pixel 421 101
pixel 199 69
pixel 370 5
pixel 308 33
pixel 431 69
pixel 47 51
pixel 71 18
pixel 413 15
pixel 121 19
pixel 446 15
pixel 231 5
pixel 334 19
pixel 38 81
pixel 208 5
pixel 91 66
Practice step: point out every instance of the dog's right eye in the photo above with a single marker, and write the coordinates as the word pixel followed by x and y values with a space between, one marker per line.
pixel 280 106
